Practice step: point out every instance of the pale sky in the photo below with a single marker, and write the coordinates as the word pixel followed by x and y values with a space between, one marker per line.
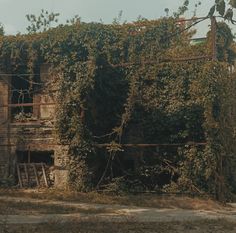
pixel 12 12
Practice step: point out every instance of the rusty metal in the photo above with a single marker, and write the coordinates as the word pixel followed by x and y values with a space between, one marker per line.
pixel 180 59
pixel 154 145
pixel 122 145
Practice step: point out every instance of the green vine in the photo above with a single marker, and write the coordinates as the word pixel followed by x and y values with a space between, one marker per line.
pixel 118 84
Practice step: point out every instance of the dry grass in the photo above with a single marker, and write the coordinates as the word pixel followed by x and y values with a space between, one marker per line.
pixel 144 200
pixel 222 226
pixel 16 207
pixel 29 208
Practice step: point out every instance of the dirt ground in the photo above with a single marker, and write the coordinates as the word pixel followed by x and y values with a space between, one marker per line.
pixel 42 212
pixel 212 226
pixel 141 200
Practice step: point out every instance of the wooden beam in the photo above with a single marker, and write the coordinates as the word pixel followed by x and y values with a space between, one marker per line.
pixel 177 59
pixel 154 145
pixel 36 174
pixel 44 175
pixel 124 145
pixel 19 175
pixel 25 105
pixel 26 173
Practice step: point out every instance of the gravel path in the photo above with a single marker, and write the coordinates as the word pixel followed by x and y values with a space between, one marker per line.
pixel 112 213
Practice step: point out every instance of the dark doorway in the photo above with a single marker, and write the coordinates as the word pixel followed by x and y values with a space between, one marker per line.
pixel 46 157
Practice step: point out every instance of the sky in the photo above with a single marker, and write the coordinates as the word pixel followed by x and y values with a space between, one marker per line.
pixel 12 12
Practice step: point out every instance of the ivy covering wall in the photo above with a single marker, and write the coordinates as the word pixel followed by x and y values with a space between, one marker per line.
pixel 120 84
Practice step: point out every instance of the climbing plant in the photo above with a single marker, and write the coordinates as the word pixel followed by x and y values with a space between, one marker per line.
pixel 42 22
pixel 128 83
pixel 1 30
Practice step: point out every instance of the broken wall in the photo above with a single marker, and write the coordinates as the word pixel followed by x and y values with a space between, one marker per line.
pixel 5 150
pixel 36 134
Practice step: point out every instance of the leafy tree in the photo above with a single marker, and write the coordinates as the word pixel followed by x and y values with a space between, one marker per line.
pixel 108 92
pixel 118 19
pixel 224 9
pixel 182 9
pixel 1 30
pixel 42 22
pixel 225 43
pixel 76 19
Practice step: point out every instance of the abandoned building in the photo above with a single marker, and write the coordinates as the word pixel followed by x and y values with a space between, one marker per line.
pixel 29 155
pixel 150 121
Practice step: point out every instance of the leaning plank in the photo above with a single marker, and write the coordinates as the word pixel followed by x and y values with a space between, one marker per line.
pixel 44 175
pixel 19 175
pixel 36 174
pixel 26 173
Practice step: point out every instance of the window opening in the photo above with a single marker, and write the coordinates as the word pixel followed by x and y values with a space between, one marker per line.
pixel 46 157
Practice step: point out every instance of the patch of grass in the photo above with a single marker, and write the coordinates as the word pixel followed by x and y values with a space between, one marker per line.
pixel 29 208
pixel 144 200
pixel 213 226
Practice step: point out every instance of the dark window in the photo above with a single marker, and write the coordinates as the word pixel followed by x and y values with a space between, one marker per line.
pixel 46 157
pixel 21 93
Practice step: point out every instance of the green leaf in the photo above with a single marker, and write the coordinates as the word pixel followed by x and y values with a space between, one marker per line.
pixel 212 11
pixel 229 15
pixel 233 3
pixel 220 7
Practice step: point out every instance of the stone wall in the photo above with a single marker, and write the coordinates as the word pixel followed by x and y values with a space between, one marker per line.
pixel 5 150
pixel 61 167
pixel 30 135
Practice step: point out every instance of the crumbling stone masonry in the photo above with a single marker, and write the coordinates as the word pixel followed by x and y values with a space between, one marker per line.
pixel 26 128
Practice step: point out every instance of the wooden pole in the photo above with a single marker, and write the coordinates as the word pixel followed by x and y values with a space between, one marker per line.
pixel 29 160
pixel 25 105
pixel 26 173
pixel 36 174
pixel 213 33
pixel 19 175
pixel 44 175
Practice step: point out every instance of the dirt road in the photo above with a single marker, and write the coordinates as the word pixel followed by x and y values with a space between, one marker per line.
pixel 105 213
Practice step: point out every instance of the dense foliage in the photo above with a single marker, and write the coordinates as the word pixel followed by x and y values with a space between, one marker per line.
pixel 224 9
pixel 123 84
pixel 1 30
